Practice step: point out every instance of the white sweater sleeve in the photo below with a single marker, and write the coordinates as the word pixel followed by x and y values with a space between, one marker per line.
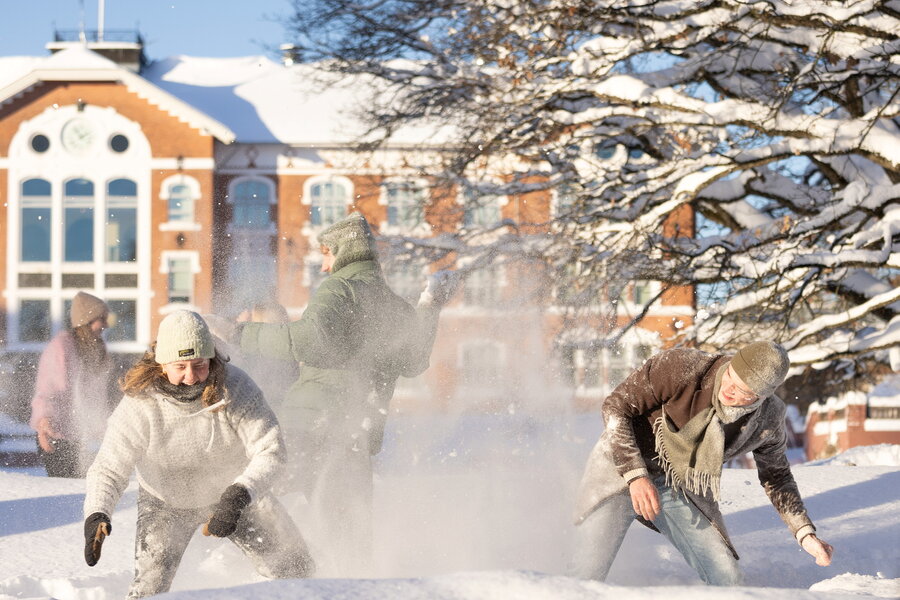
pixel 123 444
pixel 258 429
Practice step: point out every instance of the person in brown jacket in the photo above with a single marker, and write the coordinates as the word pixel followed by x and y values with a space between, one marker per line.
pixel 670 426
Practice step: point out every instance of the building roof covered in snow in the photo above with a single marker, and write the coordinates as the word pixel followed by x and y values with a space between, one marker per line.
pixel 250 99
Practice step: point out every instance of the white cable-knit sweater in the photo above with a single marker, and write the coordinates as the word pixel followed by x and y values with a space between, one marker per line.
pixel 184 455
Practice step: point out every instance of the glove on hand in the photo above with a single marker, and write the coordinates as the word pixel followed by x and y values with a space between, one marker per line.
pixel 96 528
pixel 439 288
pixel 234 500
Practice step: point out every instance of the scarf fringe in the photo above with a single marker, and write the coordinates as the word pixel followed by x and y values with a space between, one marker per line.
pixel 694 481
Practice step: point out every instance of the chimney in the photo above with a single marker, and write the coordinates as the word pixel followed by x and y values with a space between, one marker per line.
pixel 291 54
pixel 123 47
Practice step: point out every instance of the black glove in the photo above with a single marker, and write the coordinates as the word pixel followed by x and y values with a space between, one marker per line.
pixel 234 500
pixel 96 528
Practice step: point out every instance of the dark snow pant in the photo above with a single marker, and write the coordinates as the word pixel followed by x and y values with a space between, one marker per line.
pixel 265 533
pixel 334 474
pixel 64 461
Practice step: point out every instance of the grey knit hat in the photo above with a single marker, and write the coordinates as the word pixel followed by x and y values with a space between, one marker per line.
pixel 183 335
pixel 350 240
pixel 762 366
pixel 86 308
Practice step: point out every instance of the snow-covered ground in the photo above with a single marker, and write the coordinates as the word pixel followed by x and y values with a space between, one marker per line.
pixel 479 508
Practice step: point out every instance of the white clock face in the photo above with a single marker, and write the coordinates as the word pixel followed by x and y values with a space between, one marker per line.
pixel 78 136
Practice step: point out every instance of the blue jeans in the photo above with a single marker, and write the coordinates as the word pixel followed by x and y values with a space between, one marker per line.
pixel 598 538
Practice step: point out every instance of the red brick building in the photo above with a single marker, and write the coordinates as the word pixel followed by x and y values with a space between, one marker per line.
pixel 854 419
pixel 202 183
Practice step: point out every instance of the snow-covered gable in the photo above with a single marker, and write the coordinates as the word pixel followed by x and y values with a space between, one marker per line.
pixel 250 99
pixel 265 102
pixel 262 101
pixel 78 63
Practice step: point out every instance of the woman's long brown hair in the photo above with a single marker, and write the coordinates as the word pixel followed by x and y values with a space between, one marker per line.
pixel 90 349
pixel 146 372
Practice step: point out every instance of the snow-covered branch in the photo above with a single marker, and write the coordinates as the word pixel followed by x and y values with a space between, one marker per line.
pixel 775 122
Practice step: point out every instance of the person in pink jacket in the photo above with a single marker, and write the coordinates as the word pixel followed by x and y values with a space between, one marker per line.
pixel 70 404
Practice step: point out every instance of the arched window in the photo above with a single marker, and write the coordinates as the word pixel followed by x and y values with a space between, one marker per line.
pixel 78 219
pixel 251 202
pixel 405 204
pixel 75 225
pixel 36 207
pixel 181 194
pixel 121 220
pixel 252 266
pixel 328 203
pixel 181 204
pixel 481 210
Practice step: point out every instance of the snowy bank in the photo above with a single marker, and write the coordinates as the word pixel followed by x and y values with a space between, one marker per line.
pixel 460 531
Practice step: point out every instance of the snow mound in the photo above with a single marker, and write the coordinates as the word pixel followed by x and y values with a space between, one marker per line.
pixel 853 583
pixel 879 455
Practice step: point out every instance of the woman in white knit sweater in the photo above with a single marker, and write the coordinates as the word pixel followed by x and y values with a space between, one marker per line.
pixel 206 448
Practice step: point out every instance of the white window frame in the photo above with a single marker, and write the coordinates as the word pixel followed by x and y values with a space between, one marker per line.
pixel 627 303
pixel 306 198
pixel 418 183
pixel 165 195
pixel 629 344
pixel 500 283
pixel 98 217
pixel 107 205
pixel 46 203
pixel 100 165
pixel 271 228
pixel 477 389
pixel 501 199
pixel 166 258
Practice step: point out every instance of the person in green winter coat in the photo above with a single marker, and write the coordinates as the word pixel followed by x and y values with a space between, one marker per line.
pixel 355 338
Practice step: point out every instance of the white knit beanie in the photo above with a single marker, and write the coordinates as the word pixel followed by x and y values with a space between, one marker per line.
pixel 183 335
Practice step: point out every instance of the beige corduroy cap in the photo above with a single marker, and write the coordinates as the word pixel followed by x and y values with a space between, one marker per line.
pixel 762 366
pixel 86 308
pixel 183 335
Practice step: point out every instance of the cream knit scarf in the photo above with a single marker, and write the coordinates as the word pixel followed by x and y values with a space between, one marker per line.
pixel 692 457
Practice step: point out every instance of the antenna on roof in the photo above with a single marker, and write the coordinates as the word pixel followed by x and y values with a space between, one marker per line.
pixel 81 35
pixel 101 10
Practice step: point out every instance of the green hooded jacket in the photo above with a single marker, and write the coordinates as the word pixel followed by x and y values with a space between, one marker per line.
pixel 354 339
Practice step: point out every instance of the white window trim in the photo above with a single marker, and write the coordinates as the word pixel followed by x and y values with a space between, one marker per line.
pixel 166 256
pixel 306 198
pixel 477 388
pixel 502 279
pixel 313 257
pixel 194 186
pixel 502 199
pixel 308 228
pixel 554 203
pixel 629 306
pixel 100 165
pixel 423 228
pixel 273 201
